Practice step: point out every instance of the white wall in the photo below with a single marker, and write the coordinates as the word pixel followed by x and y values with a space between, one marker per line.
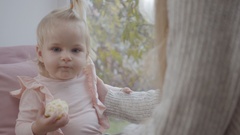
pixel 19 19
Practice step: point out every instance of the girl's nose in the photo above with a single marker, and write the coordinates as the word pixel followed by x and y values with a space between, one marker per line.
pixel 66 57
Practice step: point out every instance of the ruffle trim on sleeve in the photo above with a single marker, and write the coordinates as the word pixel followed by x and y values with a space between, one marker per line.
pixel 30 83
pixel 92 87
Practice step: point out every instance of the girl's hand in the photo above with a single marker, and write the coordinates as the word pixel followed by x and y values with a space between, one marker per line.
pixel 43 124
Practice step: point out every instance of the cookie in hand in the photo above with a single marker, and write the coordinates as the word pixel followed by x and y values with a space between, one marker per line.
pixel 56 107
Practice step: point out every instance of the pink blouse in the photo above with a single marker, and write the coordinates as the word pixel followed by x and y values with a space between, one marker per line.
pixel 85 108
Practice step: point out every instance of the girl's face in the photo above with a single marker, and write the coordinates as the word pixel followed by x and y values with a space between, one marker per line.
pixel 64 53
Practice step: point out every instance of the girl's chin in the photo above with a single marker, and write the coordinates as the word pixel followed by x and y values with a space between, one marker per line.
pixel 64 77
pixel 67 77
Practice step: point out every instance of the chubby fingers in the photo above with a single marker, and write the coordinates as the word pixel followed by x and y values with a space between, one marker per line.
pixel 62 121
pixel 126 90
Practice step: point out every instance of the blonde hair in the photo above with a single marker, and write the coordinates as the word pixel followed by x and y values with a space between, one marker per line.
pixel 161 35
pixel 76 14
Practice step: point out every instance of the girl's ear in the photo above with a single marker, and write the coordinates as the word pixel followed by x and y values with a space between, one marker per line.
pixel 39 53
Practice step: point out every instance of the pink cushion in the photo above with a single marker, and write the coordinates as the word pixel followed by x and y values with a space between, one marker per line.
pixel 14 61
pixel 15 54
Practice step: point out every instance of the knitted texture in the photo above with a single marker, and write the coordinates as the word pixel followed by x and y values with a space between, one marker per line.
pixel 134 107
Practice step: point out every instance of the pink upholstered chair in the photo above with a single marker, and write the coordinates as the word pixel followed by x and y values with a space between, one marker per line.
pixel 14 61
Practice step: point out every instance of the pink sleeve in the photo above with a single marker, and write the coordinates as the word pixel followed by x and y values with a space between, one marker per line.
pixel 103 89
pixel 29 105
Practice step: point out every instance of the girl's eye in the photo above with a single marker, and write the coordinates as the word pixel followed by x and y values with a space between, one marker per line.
pixel 76 50
pixel 56 49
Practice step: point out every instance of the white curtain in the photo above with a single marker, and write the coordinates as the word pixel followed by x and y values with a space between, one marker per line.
pixel 147 9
